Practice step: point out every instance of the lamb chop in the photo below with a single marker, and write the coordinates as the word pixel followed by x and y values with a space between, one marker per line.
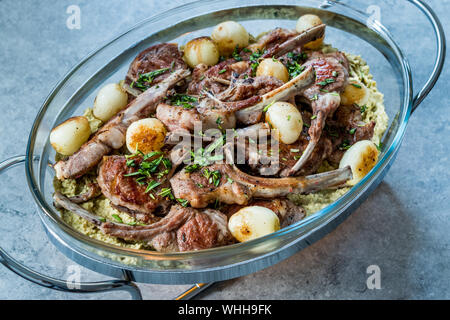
pixel 227 184
pixel 215 113
pixel 216 78
pixel 349 129
pixel 277 160
pixel 139 184
pixel 152 66
pixel 293 42
pixel 112 135
pixel 183 229
pixel 253 114
pixel 331 79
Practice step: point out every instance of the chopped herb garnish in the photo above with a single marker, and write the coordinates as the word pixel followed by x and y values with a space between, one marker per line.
pixel 132 174
pixel 152 185
pixel 295 150
pixel 235 54
pixel 313 117
pixel 379 146
pixel 117 218
pixel 356 85
pixel 345 145
pixel 255 59
pixel 334 73
pixel 289 117
pixel 146 79
pixel 352 131
pixel 222 71
pixel 326 81
pixel 268 106
pixel 102 219
pixel 183 202
pixel 166 192
pixel 184 100
pixel 191 168
pixel 212 176
pixel 229 180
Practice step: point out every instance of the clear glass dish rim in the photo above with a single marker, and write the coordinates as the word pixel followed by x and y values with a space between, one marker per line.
pixel 321 217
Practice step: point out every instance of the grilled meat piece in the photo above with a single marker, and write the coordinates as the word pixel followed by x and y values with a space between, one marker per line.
pixel 279 159
pixel 160 56
pixel 177 117
pixel 216 78
pixel 331 78
pixel 273 39
pixel 294 42
pixel 112 135
pixel 227 184
pixel 245 88
pixel 350 128
pixel 253 114
pixel 127 193
pixel 183 229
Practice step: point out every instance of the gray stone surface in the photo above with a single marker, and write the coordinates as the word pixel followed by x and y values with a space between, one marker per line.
pixel 403 227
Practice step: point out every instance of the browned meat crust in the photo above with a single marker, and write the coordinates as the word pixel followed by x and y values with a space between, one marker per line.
pixel 183 229
pixel 129 195
pixel 160 56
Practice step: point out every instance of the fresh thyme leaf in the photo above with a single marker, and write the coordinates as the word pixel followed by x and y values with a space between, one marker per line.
pixel 352 131
pixel 222 71
pixel 356 85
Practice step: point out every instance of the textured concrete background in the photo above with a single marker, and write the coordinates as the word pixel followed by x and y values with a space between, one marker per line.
pixel 403 227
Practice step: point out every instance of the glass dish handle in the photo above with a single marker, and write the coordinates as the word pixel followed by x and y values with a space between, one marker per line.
pixel 440 52
pixel 57 284
pixel 440 47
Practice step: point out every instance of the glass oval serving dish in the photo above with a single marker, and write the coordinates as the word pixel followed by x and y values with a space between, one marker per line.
pixel 349 28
